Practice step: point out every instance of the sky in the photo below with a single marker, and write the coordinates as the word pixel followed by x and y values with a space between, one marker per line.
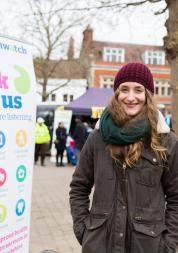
pixel 134 25
pixel 138 25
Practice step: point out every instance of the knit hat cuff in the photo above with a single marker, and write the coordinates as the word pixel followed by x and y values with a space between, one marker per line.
pixel 135 72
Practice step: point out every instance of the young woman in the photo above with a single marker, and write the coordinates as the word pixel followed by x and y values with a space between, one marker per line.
pixel 131 160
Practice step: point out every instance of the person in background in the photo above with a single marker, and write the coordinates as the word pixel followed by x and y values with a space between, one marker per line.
pixel 71 151
pixel 88 129
pixel 168 119
pixel 79 135
pixel 42 139
pixel 131 161
pixel 60 143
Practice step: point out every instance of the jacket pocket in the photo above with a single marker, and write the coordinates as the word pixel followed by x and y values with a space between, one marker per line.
pixel 146 237
pixel 105 165
pixel 94 239
pixel 148 183
pixel 149 177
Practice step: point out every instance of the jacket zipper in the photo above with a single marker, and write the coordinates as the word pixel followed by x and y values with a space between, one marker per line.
pixel 116 193
pixel 124 166
pixel 125 181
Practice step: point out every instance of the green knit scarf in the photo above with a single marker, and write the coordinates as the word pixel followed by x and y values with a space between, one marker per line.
pixel 129 133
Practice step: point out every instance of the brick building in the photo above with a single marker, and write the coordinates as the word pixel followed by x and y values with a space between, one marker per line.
pixel 103 59
pixel 97 65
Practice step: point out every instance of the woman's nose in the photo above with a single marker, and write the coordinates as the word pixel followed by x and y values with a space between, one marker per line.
pixel 130 96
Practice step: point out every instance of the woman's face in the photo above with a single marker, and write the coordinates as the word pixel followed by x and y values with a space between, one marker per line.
pixel 132 97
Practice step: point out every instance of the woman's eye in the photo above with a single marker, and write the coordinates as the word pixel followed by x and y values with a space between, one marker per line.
pixel 139 91
pixel 124 90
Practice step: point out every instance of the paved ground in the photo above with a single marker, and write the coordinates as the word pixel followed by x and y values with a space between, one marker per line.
pixel 51 223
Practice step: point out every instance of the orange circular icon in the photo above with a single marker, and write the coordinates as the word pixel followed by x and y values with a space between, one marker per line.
pixel 21 138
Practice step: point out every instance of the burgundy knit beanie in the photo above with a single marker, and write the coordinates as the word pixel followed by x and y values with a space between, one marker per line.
pixel 135 72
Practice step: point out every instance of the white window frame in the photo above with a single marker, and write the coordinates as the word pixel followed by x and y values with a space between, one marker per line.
pixel 163 85
pixel 154 57
pixel 112 54
pixel 106 81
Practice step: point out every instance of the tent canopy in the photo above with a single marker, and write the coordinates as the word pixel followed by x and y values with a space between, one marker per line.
pixel 93 97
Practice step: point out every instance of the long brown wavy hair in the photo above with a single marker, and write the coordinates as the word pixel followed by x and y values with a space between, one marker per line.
pixel 130 154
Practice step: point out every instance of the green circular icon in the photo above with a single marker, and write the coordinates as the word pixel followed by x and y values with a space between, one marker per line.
pixel 22 83
pixel 21 173
pixel 3 213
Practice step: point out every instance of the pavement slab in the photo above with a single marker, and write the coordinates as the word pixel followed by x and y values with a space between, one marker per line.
pixel 51 222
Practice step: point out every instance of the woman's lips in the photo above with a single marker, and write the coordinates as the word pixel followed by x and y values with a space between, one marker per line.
pixel 131 105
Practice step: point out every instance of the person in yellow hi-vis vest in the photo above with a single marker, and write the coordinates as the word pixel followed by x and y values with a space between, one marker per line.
pixel 42 138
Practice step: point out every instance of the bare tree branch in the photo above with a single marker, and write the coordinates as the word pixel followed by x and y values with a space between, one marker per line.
pixel 161 11
pixel 48 31
pixel 59 86
pixel 109 4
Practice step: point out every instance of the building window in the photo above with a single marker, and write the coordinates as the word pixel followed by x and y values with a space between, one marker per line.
pixel 65 97
pixel 162 88
pixel 114 54
pixel 71 98
pixel 163 91
pixel 107 82
pixel 156 90
pixel 154 57
pixel 53 97
pixel 68 98
pixel 169 91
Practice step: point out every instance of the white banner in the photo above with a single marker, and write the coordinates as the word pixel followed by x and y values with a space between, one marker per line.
pixel 64 116
pixel 17 137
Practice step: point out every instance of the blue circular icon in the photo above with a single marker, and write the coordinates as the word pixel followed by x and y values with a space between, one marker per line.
pixel 20 207
pixel 2 139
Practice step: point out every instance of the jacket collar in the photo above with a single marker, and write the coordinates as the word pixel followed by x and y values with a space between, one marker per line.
pixel 162 127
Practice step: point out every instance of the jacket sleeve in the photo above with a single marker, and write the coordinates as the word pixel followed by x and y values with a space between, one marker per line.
pixel 170 186
pixel 76 131
pixel 48 137
pixel 81 185
pixel 65 134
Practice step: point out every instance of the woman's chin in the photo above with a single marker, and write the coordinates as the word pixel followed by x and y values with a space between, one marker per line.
pixel 132 113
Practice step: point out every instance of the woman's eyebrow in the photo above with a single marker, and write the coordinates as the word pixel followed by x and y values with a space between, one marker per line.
pixel 124 86
pixel 140 87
